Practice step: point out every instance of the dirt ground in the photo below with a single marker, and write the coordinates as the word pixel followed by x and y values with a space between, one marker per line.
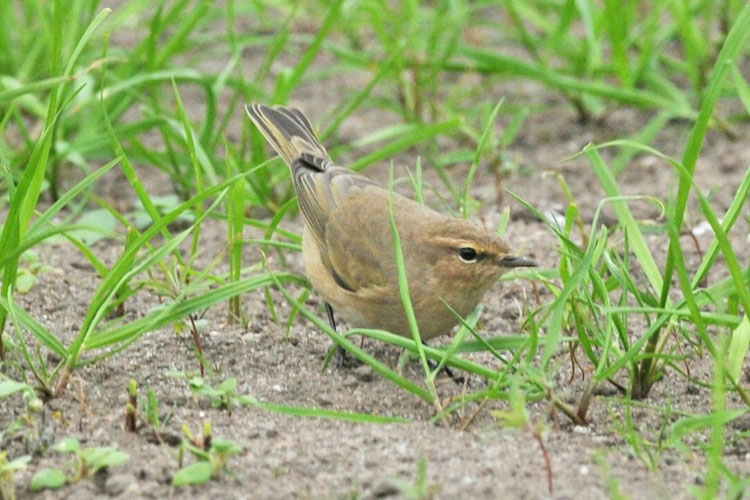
pixel 293 457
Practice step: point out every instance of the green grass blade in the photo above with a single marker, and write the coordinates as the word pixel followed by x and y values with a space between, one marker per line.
pixel 360 354
pixel 93 25
pixel 743 89
pixel 435 353
pixel 486 61
pixel 299 411
pixel 179 309
pixel 403 283
pixel 727 223
pixel 24 320
pixel 625 216
pixel 486 135
pixel 66 198
pixel 734 44
pixel 123 270
pixel 22 207
pixel 645 136
pixel 414 135
pixel 738 348
pixel 287 86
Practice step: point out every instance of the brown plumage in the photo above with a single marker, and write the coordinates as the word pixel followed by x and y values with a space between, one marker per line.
pixel 348 248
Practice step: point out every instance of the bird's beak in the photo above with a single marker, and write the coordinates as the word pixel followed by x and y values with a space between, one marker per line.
pixel 514 261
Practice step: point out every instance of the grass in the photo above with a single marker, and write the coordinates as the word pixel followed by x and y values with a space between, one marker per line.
pixel 139 91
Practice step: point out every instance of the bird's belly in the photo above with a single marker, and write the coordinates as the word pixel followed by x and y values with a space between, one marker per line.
pixel 368 311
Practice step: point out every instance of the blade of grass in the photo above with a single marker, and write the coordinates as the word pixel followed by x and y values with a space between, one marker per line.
pixel 429 351
pixel 235 213
pixel 356 100
pixel 403 288
pixel 187 129
pixel 360 354
pixel 738 345
pixel 24 320
pixel 486 61
pixel 732 48
pixel 180 308
pixel 645 136
pixel 486 135
pixel 416 134
pixel 625 216
pixel 299 411
pixel 22 206
pixel 115 279
pixel 286 86
pixel 727 222
pixel 188 20
pixel 122 271
pixel 743 89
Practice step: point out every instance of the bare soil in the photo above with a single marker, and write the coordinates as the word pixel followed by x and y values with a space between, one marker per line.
pixel 293 457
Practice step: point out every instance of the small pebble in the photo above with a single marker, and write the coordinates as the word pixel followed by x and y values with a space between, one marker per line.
pixel 119 483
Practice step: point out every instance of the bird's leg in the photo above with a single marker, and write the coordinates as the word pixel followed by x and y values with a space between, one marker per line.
pixel 331 319
pixel 446 369
pixel 343 358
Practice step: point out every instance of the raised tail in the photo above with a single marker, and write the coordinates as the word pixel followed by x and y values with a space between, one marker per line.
pixel 291 135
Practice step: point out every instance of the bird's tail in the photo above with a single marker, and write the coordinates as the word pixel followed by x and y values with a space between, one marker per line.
pixel 291 135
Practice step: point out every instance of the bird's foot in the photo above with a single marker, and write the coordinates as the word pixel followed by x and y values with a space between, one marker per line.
pixel 341 358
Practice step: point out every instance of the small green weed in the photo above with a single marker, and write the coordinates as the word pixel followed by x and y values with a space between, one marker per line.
pixel 223 397
pixel 8 469
pixel 212 455
pixel 86 462
pixel 421 489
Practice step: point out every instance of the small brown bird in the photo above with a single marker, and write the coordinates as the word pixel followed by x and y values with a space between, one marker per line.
pixel 347 244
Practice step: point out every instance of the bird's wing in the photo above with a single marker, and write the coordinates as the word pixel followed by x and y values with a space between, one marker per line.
pixel 320 194
pixel 359 243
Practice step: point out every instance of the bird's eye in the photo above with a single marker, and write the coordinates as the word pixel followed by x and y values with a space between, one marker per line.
pixel 467 254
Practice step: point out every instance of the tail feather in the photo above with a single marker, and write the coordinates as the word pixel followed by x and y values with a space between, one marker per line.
pixel 291 135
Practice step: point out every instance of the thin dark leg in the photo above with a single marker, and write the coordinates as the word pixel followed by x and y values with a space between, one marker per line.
pixel 343 358
pixel 331 319
pixel 446 369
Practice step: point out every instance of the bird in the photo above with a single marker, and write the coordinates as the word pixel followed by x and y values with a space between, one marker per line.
pixel 348 248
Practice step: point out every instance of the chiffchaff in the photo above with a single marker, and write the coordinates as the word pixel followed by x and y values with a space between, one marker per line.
pixel 347 244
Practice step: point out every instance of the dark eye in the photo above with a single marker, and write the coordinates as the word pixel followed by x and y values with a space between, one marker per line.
pixel 467 254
